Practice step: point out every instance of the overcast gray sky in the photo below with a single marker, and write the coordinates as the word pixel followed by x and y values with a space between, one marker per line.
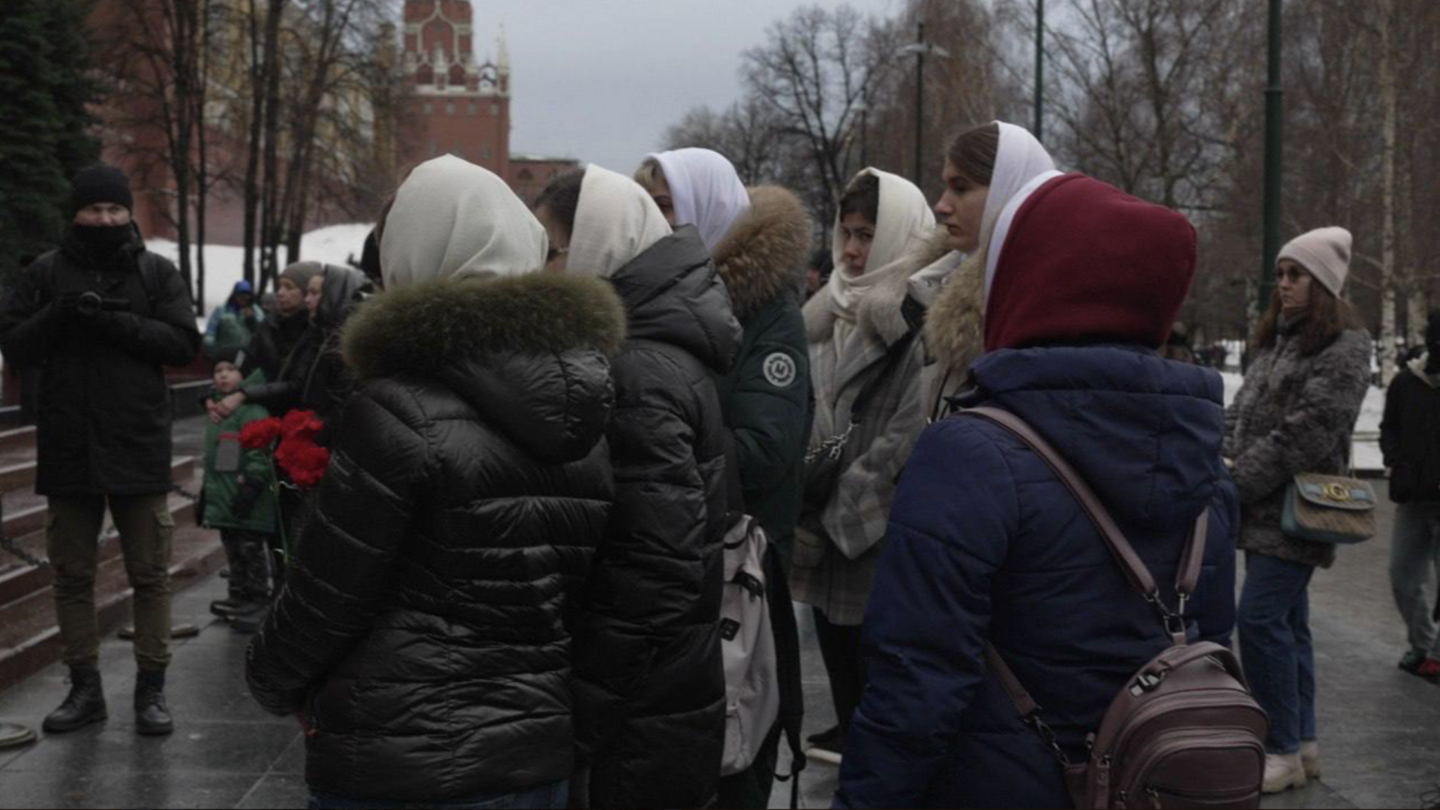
pixel 599 80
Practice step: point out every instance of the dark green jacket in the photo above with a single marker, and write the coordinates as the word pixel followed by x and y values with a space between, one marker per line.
pixel 223 488
pixel 766 396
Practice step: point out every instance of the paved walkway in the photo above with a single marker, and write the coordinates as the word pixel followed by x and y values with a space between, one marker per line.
pixel 1379 727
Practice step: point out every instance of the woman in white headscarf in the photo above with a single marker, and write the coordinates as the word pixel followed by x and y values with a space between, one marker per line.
pixel 649 685
pixel 865 367
pixel 760 240
pixel 987 168
pixel 468 488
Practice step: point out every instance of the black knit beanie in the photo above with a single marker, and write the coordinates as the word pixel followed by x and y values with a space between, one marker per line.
pixel 100 184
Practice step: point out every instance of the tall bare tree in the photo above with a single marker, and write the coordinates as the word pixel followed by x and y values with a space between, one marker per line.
pixel 814 70
pixel 155 55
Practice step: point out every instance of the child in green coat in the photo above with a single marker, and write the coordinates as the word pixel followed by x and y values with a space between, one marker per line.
pixel 239 501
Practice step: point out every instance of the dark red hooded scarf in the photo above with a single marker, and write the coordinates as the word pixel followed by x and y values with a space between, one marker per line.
pixel 1085 262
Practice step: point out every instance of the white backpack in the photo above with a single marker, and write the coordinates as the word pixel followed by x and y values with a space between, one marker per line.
pixel 752 687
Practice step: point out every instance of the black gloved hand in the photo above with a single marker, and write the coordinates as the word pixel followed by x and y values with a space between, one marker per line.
pixel 67 305
pixel 246 498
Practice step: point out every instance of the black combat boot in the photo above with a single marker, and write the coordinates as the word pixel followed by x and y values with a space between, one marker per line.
pixel 151 716
pixel 84 705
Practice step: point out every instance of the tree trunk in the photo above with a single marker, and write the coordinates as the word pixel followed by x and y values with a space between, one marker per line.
pixel 252 160
pixel 202 173
pixel 182 61
pixel 270 229
pixel 1390 105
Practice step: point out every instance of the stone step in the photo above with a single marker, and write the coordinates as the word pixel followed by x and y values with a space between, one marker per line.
pixel 30 636
pixel 25 511
pixel 19 441
pixel 19 476
pixel 18 580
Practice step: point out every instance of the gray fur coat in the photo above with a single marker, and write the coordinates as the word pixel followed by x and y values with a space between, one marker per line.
pixel 1293 415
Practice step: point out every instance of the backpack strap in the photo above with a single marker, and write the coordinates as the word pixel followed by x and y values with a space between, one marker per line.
pixel 1187 575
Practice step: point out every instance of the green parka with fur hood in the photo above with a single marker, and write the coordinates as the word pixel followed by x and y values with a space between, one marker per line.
pixel 425 630
pixel 766 396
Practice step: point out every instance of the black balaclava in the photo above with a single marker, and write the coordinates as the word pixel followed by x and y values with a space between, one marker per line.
pixel 101 184
pixel 1432 343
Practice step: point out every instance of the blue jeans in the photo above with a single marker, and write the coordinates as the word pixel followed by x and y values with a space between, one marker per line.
pixel 544 796
pixel 1275 648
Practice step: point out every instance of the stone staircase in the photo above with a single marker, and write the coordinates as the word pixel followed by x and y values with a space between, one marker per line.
pixel 29 636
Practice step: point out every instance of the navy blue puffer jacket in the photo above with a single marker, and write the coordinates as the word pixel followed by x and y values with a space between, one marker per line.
pixel 984 542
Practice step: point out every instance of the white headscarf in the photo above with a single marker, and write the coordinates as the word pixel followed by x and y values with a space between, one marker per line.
pixel 1021 166
pixel 452 218
pixel 705 190
pixel 615 221
pixel 903 219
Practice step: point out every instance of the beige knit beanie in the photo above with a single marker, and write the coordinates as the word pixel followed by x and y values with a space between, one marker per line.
pixel 1325 252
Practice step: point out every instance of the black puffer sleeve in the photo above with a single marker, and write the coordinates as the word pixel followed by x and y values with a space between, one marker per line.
pixel 29 324
pixel 381 461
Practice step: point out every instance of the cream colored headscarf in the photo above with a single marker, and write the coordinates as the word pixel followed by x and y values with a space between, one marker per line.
pixel 903 219
pixel 615 221
pixel 452 218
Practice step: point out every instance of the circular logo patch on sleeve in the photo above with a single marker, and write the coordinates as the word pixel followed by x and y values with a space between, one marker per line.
pixel 779 370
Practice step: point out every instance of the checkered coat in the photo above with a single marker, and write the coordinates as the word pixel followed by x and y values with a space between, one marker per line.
pixel 838 544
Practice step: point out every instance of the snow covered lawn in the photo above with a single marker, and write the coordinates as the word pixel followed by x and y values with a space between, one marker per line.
pixel 224 265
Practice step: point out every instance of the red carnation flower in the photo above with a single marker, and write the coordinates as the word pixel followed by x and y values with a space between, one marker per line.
pixel 301 424
pixel 260 433
pixel 307 465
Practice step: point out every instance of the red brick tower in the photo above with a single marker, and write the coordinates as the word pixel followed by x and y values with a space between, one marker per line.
pixel 458 106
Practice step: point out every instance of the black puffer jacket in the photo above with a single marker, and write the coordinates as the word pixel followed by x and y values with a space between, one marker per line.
pixel 314 375
pixel 1410 434
pixel 104 406
pixel 424 627
pixel 274 340
pixel 650 697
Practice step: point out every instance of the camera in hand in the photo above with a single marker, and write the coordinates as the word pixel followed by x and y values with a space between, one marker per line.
pixel 92 303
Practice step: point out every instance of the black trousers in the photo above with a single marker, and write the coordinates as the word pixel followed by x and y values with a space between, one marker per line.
pixel 840 648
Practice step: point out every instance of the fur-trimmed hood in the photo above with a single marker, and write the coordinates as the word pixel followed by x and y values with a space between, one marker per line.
pixel 955 323
pixel 530 353
pixel 881 311
pixel 763 256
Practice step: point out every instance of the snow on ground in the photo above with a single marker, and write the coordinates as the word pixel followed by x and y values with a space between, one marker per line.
pixel 224 264
pixel 1367 427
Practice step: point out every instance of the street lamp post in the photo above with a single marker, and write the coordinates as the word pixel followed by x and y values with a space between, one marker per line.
pixel 864 110
pixel 921 49
pixel 919 100
pixel 1274 164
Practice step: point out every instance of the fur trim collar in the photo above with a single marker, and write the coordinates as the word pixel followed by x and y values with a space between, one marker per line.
pixel 763 256
pixel 955 323
pixel 425 328
pixel 881 315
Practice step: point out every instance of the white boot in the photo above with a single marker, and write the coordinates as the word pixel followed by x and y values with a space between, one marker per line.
pixel 1310 758
pixel 1282 772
